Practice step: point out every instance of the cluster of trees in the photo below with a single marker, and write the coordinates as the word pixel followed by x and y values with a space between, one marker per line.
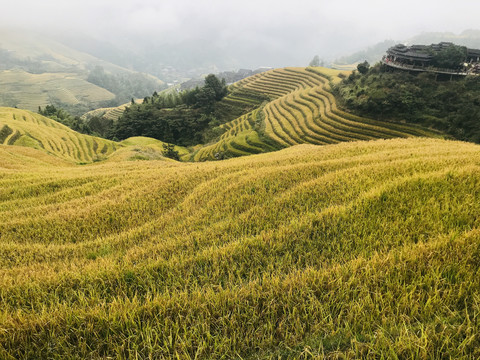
pixel 452 57
pixel 124 86
pixel 180 118
pixel 183 118
pixel 65 118
pixel 94 126
pixel 316 61
pixel 449 106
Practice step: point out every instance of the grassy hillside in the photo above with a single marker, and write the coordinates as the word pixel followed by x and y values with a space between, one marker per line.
pixel 38 71
pixel 25 128
pixel 290 106
pixel 360 249
pixel 29 91
pixel 110 113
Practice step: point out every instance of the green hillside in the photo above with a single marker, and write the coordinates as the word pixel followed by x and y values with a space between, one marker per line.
pixel 262 113
pixel 355 250
pixel 290 106
pixel 451 106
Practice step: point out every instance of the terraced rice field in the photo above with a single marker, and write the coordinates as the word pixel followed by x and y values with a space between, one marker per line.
pixel 240 101
pixel 356 250
pixel 25 128
pixel 29 91
pixel 110 113
pixel 300 110
pixel 239 139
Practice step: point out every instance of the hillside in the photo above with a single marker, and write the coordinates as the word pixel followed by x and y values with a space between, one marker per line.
pixel 109 113
pixel 39 53
pixel 290 106
pixel 356 250
pixel 428 100
pixel 27 129
pixel 261 113
pixel 36 70
pixel 29 91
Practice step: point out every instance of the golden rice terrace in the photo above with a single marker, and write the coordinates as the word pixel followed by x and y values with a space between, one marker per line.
pixel 363 249
pixel 358 239
pixel 301 110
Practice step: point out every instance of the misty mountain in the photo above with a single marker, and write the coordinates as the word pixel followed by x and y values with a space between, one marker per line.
pixel 190 58
pixel 373 54
pixel 37 70
pixel 468 38
pixel 37 53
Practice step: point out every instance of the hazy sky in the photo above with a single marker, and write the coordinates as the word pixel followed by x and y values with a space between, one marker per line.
pixel 303 25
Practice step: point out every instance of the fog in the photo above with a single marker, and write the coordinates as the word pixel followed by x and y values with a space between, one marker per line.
pixel 252 33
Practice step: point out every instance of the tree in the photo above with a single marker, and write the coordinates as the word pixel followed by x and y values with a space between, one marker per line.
pixel 451 57
pixel 218 86
pixel 170 152
pixel 173 118
pixel 315 61
pixel 100 126
pixel 206 99
pixel 363 67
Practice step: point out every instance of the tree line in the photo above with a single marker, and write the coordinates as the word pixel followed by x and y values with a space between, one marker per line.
pixel 183 118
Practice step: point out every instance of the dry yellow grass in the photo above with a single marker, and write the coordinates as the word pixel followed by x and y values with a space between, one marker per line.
pixel 354 250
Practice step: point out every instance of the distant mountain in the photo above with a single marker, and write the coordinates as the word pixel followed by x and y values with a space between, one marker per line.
pixel 37 53
pixel 229 76
pixel 469 38
pixel 373 54
pixel 36 70
pixel 170 62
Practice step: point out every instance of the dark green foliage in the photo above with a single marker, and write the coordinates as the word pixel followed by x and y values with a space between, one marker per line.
pixel 218 86
pixel 170 152
pixel 5 132
pixel 180 118
pixel 179 125
pixel 65 118
pixel 449 106
pixel 100 126
pixel 451 57
pixel 205 97
pixel 363 67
